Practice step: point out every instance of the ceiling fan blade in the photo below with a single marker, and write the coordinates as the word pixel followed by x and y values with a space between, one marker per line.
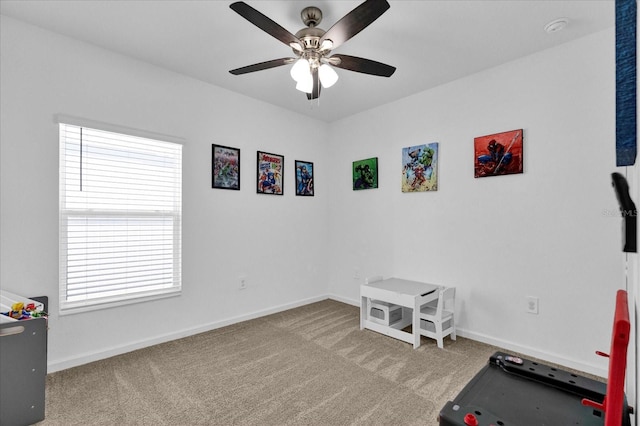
pixel 365 66
pixel 355 21
pixel 264 23
pixel 262 66
pixel 315 93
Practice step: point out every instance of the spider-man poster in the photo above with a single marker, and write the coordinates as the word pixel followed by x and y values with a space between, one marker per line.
pixel 498 154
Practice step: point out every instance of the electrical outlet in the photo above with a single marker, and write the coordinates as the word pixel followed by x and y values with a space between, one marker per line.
pixel 532 305
pixel 242 283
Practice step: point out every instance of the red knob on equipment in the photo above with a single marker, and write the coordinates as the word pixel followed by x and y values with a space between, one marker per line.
pixel 470 420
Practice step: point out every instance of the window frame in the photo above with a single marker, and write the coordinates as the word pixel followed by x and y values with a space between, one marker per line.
pixel 173 218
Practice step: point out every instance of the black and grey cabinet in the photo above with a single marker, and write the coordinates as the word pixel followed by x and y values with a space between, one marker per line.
pixel 23 366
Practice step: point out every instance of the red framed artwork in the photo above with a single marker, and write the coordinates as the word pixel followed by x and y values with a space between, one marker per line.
pixel 498 154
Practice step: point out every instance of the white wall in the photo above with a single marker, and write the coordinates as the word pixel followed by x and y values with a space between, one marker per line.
pixel 547 233
pixel 278 242
pixel 552 232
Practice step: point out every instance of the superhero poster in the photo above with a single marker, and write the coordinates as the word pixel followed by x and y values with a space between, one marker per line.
pixel 304 178
pixel 365 174
pixel 498 154
pixel 270 171
pixel 226 167
pixel 420 168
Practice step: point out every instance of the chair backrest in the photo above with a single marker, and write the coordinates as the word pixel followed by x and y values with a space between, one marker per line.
pixel 446 297
pixel 373 279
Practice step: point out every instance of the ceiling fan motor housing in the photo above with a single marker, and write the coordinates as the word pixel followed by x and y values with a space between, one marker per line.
pixel 310 37
pixel 311 16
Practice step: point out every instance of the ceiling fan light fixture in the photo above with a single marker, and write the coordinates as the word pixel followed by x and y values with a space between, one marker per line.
pixel 305 85
pixel 296 46
pixel 326 45
pixel 300 70
pixel 327 75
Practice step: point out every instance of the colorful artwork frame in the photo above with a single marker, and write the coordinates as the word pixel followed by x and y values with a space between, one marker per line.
pixel 420 168
pixel 305 185
pixel 225 167
pixel 365 174
pixel 270 173
pixel 499 154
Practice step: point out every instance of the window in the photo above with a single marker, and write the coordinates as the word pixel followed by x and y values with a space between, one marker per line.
pixel 120 218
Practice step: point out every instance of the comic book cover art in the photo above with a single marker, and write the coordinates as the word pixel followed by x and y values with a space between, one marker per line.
pixel 270 171
pixel 365 174
pixel 420 168
pixel 498 154
pixel 226 167
pixel 304 178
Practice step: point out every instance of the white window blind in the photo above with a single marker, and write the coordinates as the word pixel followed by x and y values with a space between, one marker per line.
pixel 120 218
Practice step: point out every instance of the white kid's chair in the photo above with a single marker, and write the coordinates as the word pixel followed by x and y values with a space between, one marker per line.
pixel 437 318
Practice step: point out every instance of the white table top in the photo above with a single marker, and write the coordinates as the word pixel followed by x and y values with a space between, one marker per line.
pixel 413 288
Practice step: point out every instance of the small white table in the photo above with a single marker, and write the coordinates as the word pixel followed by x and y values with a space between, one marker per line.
pixel 405 293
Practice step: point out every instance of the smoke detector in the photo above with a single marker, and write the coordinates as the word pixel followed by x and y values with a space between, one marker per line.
pixel 556 25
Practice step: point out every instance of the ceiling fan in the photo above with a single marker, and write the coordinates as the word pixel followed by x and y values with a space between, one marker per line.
pixel 312 45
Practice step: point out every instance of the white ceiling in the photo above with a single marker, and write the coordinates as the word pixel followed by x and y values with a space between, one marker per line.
pixel 430 42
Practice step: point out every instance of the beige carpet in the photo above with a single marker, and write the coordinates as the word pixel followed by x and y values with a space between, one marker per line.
pixel 306 366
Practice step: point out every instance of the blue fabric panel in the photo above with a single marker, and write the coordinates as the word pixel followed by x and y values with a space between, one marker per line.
pixel 626 120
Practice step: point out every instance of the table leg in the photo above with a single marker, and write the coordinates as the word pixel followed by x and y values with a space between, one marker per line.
pixel 415 326
pixel 363 311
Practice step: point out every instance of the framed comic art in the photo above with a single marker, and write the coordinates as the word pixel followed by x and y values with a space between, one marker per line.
pixel 270 169
pixel 304 178
pixel 498 154
pixel 420 168
pixel 365 174
pixel 225 167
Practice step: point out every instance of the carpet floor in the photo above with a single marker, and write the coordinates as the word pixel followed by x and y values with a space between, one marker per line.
pixel 310 365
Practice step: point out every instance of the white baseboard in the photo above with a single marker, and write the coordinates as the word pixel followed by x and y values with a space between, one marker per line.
pixel 525 350
pixel 533 352
pixel 87 357
pixel 57 365
pixel 343 300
